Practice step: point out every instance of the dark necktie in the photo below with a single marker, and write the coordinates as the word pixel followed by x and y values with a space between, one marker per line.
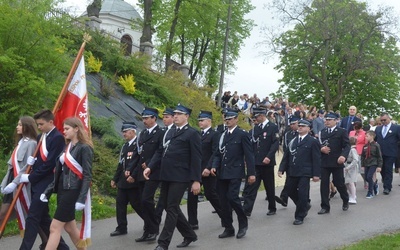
pixel 260 125
pixel 349 123
pixel 202 133
pixel 329 130
pixel 300 139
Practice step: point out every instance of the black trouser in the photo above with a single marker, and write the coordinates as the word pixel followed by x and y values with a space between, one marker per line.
pixel 172 193
pixel 285 191
pixel 210 192
pixel 267 175
pixel 147 190
pixel 229 196
pixel 299 192
pixel 38 218
pixel 338 181
pixel 387 171
pixel 125 196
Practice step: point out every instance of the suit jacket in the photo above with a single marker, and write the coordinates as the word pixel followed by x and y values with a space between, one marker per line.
pixel 148 145
pixel 209 147
pixel 181 157
pixel 42 173
pixel 302 159
pixel 26 148
pixel 389 143
pixel 338 142
pixel 128 161
pixel 345 120
pixel 265 143
pixel 234 150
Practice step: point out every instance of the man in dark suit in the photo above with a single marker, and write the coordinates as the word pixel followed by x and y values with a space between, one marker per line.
pixel 180 158
pixel 301 161
pixel 234 151
pixel 128 190
pixel 41 175
pixel 288 137
pixel 209 147
pixel 348 121
pixel 265 144
pixel 148 143
pixel 335 149
pixel 387 136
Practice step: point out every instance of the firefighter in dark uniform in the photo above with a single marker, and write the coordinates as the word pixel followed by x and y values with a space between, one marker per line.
pixel 301 161
pixel 209 147
pixel 229 166
pixel 148 143
pixel 180 158
pixel 287 138
pixel 265 141
pixel 128 190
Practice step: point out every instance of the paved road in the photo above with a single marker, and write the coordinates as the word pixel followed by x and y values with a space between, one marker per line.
pixel 369 217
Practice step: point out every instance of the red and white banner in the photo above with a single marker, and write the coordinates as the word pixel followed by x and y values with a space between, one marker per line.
pixel 75 102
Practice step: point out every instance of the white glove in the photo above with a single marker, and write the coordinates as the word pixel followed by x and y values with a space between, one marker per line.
pixel 24 178
pixel 9 188
pixel 79 206
pixel 43 198
pixel 31 160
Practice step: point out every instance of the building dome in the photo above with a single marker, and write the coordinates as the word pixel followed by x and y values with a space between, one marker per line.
pixel 119 8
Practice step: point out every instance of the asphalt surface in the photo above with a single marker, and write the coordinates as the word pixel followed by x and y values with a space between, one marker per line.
pixel 369 217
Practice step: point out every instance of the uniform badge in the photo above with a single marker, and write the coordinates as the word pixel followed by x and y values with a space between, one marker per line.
pixel 129 155
pixel 265 135
pixel 390 131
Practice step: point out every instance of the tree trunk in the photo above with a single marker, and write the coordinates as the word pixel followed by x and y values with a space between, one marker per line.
pixel 148 15
pixel 168 52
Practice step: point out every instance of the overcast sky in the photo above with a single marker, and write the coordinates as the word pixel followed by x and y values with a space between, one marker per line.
pixel 254 74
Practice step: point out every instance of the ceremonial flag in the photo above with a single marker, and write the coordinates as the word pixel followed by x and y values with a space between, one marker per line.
pixel 75 101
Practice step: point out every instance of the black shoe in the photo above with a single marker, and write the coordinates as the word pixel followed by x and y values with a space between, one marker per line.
pixel 160 248
pixel 117 233
pixel 297 222
pixel 186 242
pixel 214 212
pixel 194 227
pixel 323 211
pixel 271 212
pixel 386 191
pixel 280 201
pixel 248 214
pixel 241 233
pixel 227 233
pixel 147 237
pixel 332 194
pixel 345 206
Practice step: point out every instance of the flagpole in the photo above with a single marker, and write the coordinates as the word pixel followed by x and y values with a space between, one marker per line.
pixel 86 39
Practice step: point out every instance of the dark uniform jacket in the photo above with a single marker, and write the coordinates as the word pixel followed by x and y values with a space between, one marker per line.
pixel 148 144
pixel 129 158
pixel 338 142
pixel 42 173
pixel 180 157
pixel 233 151
pixel 209 147
pixel 289 135
pixel 302 159
pixel 265 143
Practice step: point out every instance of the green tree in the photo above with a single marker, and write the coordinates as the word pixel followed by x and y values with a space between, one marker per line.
pixel 33 60
pixel 339 53
pixel 192 33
